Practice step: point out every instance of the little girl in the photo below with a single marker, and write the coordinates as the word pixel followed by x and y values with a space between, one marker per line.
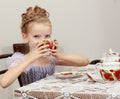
pixel 39 61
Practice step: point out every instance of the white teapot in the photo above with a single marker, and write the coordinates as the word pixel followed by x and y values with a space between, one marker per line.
pixel 110 66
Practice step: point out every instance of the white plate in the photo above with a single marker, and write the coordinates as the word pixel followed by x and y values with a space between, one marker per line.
pixel 68 74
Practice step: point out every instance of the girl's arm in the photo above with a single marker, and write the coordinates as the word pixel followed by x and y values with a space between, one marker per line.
pixel 12 74
pixel 71 59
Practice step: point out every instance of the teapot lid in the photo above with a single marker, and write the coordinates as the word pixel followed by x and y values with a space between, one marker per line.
pixel 111 56
pixel 111 53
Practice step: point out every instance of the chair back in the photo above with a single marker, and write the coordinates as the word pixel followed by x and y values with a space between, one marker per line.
pixel 93 62
pixel 21 47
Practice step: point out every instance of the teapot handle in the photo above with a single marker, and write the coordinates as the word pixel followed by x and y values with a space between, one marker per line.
pixel 98 65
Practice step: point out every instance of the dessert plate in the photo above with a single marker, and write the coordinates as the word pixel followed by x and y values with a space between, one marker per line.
pixel 68 74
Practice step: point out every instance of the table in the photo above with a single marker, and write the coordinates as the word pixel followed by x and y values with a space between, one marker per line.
pixel 75 88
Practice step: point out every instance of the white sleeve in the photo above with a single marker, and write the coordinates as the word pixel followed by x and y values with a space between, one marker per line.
pixel 15 59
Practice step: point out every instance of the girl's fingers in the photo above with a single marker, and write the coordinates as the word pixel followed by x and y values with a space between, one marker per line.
pixel 46 54
pixel 40 44
pixel 44 51
pixel 54 51
pixel 43 47
pixel 55 41
pixel 55 44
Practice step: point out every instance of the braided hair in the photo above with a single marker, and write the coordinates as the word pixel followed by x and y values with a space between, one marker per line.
pixel 35 14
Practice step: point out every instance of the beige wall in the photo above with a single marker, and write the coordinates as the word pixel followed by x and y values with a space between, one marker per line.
pixel 89 27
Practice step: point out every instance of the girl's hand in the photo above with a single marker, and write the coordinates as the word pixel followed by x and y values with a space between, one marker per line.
pixel 55 48
pixel 39 51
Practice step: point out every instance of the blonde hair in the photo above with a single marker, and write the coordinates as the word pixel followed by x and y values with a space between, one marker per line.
pixel 35 14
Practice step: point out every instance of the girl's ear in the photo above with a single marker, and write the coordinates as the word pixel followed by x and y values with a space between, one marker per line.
pixel 24 36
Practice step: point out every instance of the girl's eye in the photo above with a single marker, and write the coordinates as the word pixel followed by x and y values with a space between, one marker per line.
pixel 47 36
pixel 36 36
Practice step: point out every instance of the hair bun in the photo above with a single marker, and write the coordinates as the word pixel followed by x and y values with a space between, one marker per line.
pixel 33 14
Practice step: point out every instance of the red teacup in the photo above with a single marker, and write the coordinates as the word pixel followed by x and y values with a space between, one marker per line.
pixel 47 42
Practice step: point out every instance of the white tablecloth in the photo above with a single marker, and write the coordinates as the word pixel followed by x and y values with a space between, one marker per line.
pixel 75 88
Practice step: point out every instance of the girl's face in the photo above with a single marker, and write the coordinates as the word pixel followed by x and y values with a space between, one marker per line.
pixel 37 32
